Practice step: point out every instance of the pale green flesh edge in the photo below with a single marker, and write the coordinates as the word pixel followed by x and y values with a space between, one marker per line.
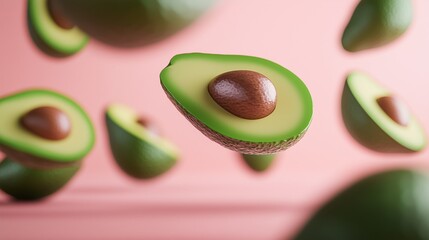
pixel 186 80
pixel 126 119
pixel 79 142
pixel 66 41
pixel 367 91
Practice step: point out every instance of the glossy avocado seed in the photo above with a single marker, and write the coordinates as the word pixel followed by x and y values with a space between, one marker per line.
pixel 246 94
pixel 47 122
pixel 149 126
pixel 57 15
pixel 395 109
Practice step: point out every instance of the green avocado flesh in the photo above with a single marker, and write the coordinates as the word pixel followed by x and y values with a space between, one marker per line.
pixel 138 152
pixel 186 80
pixel 54 37
pixel 390 205
pixel 370 125
pixel 375 23
pixel 25 183
pixel 133 23
pixel 12 135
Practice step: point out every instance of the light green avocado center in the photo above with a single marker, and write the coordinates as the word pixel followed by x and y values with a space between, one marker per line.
pixel 77 144
pixel 67 41
pixel 367 91
pixel 127 119
pixel 187 78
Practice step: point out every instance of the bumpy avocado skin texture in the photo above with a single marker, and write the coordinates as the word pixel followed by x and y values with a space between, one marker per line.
pixel 45 42
pixel 133 23
pixel 375 23
pixel 258 163
pixel 363 129
pixel 136 157
pixel 24 183
pixel 391 205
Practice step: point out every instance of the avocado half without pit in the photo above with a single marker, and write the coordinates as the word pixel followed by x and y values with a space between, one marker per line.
pixel 247 104
pixel 378 119
pixel 375 23
pixel 51 30
pixel 136 144
pixel 44 136
pixel 133 23
pixel 387 205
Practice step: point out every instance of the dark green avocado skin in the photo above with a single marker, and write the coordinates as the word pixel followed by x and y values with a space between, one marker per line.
pixel 24 183
pixel 136 157
pixel 258 163
pixel 133 23
pixel 393 205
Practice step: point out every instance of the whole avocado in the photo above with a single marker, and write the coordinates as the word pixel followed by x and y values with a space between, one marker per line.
pixel 133 23
pixel 390 205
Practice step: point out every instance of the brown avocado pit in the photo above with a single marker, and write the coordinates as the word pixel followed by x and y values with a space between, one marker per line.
pixel 395 109
pixel 246 94
pixel 47 122
pixel 57 14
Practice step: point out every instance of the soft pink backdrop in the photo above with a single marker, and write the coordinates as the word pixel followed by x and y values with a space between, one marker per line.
pixel 210 194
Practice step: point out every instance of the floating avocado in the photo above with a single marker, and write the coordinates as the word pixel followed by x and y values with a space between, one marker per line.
pixel 133 23
pixel 44 136
pixel 27 183
pixel 208 90
pixel 137 148
pixel 377 119
pixel 390 205
pixel 375 23
pixel 258 163
pixel 51 32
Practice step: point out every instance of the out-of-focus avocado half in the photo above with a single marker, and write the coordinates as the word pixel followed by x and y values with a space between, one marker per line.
pixel 50 32
pixel 375 23
pixel 378 119
pixel 389 205
pixel 137 149
pixel 133 23
pixel 247 104
pixel 44 136
pixel 258 163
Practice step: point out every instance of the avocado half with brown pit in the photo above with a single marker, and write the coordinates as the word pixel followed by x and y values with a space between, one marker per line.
pixel 136 144
pixel 378 119
pixel 44 136
pixel 247 104
pixel 51 30
pixel 133 23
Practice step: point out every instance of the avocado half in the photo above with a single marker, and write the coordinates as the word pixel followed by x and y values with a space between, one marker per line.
pixel 390 205
pixel 21 145
pixel 25 183
pixel 133 23
pixel 48 35
pixel 138 152
pixel 185 81
pixel 369 124
pixel 36 167
pixel 375 23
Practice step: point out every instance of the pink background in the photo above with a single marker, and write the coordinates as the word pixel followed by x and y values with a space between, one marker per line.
pixel 210 194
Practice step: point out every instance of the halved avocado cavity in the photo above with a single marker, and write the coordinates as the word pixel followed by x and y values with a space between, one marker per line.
pixel 44 136
pixel 186 82
pixel 137 150
pixel 375 23
pixel 133 23
pixel 387 205
pixel 377 119
pixel 53 36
